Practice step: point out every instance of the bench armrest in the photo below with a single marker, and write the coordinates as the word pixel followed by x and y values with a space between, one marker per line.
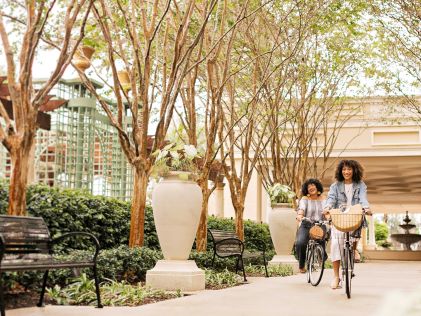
pixel 1 247
pixel 93 239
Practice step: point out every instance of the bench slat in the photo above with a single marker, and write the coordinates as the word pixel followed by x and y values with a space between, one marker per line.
pixel 43 265
pixel 7 226
pixel 20 238
pixel 24 234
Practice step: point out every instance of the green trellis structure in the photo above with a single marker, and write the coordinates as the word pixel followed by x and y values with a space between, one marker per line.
pixel 82 149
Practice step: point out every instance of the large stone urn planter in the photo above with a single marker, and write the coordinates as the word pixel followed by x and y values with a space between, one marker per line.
pixel 283 228
pixel 176 203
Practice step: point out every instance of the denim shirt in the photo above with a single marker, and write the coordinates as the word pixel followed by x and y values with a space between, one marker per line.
pixel 337 195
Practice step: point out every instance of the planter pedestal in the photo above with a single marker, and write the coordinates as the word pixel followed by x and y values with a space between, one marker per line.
pixel 177 204
pixel 172 275
pixel 283 227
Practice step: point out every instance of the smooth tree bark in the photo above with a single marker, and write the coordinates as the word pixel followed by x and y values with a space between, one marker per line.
pixel 246 131
pixel 154 42
pixel 211 79
pixel 17 134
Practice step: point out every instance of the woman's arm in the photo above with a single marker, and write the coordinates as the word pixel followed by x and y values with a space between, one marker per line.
pixel 332 197
pixel 301 209
pixel 363 196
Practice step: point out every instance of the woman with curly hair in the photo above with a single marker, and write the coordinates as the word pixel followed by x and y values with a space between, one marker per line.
pixel 348 190
pixel 310 206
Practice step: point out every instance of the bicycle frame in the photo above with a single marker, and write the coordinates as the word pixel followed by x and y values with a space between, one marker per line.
pixel 347 261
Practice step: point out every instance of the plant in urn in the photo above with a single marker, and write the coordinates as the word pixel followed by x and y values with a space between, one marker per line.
pixel 282 224
pixel 176 203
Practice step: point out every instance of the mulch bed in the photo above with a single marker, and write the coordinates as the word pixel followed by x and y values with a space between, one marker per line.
pixel 23 299
pixel 29 298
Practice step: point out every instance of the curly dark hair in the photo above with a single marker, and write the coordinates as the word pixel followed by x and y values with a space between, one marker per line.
pixel 317 183
pixel 357 170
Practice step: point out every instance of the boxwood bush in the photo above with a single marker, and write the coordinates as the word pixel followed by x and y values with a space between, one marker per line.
pixel 66 210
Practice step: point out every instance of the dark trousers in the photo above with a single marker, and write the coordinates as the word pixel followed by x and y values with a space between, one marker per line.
pixel 301 242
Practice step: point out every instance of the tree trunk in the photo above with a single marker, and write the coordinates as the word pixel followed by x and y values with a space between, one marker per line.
pixel 239 222
pixel 201 236
pixel 137 211
pixel 19 179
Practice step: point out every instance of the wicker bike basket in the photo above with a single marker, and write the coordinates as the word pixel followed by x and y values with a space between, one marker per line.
pixel 317 232
pixel 347 221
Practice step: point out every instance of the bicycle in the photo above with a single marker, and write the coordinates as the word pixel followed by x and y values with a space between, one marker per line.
pixel 315 253
pixel 347 221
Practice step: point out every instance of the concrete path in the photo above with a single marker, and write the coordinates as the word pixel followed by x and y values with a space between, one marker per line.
pixel 380 289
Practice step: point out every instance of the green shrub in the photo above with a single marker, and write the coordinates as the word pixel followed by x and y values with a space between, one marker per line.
pixel 384 243
pixel 204 261
pixel 328 264
pixel 381 231
pixel 66 210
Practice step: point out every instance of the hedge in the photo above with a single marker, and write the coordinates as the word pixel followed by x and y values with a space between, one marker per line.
pixel 66 210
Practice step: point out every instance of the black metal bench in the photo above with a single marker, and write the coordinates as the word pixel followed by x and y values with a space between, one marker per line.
pixel 25 244
pixel 226 244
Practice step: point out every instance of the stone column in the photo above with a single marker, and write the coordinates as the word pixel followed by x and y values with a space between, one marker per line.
pixel 219 199
pixel 259 215
pixel 371 234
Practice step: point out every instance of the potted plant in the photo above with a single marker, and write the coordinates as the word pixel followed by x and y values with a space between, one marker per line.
pixel 282 224
pixel 176 204
pixel 281 194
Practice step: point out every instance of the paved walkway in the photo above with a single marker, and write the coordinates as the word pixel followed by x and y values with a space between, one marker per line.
pixel 379 289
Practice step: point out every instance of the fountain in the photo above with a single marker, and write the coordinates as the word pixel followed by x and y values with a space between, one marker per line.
pixel 408 238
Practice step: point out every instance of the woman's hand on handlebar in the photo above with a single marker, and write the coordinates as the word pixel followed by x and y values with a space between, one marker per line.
pixel 367 211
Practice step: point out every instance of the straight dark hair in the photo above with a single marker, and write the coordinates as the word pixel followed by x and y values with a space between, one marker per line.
pixel 357 170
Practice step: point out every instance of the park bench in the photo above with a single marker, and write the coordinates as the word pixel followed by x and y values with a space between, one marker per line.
pixel 226 244
pixel 25 244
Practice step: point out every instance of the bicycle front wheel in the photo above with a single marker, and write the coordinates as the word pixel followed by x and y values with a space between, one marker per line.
pixel 348 261
pixel 316 265
pixel 309 254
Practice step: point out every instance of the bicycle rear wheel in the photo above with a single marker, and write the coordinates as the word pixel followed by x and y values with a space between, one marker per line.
pixel 348 262
pixel 316 265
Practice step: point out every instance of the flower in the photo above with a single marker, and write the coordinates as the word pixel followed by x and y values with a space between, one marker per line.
pixel 280 193
pixel 174 157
